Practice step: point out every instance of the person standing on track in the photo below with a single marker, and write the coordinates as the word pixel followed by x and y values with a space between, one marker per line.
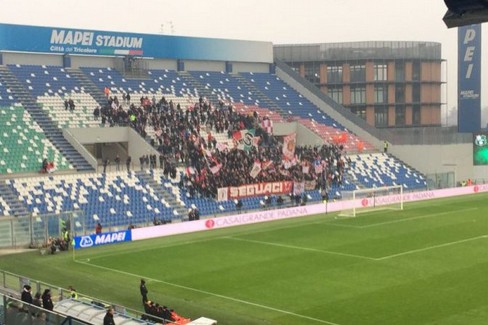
pixel 144 291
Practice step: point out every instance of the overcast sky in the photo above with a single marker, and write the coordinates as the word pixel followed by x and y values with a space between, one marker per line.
pixel 277 21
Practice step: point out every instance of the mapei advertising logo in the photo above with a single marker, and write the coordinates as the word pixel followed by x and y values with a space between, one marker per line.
pixel 86 241
pixel 103 239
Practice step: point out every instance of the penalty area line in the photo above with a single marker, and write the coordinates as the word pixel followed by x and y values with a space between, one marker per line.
pixel 301 248
pixel 416 218
pixel 432 247
pixel 210 294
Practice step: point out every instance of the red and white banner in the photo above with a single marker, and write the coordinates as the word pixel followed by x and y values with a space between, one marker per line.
pixel 289 143
pixel 267 125
pixel 256 168
pixel 298 188
pixel 215 169
pixel 271 188
pixel 222 194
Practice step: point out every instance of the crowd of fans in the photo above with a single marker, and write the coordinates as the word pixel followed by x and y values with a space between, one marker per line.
pixel 211 166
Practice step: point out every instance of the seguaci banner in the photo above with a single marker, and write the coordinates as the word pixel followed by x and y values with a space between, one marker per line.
pixel 92 42
pixel 102 239
pixel 469 78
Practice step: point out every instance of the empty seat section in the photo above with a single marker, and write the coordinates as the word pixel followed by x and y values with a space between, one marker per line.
pixel 289 99
pixel 23 144
pixel 379 169
pixel 114 199
pixel 51 86
pixel 226 87
pixel 157 82
pixel 4 208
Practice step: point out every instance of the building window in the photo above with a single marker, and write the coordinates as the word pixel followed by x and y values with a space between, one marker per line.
pixel 416 70
pixel 380 72
pixel 416 115
pixel 399 71
pixel 334 74
pixel 359 111
pixel 416 93
pixel 358 95
pixel 336 94
pixel 380 94
pixel 358 73
pixel 400 93
pixel 381 116
pixel 400 115
pixel 312 73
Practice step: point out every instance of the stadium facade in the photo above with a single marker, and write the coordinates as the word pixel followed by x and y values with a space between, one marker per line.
pixel 390 84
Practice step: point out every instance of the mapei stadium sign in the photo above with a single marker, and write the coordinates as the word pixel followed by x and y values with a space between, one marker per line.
pixel 88 42
pixel 21 38
pixel 102 239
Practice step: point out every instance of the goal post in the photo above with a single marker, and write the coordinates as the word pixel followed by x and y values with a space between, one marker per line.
pixel 372 199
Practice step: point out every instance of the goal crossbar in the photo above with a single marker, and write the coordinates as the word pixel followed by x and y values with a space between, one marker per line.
pixel 371 199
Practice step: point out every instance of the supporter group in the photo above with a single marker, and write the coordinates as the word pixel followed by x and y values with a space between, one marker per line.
pixel 211 165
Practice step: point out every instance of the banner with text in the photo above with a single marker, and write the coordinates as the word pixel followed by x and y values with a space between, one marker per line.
pixel 243 191
pixel 101 239
pixel 469 78
pixel 61 40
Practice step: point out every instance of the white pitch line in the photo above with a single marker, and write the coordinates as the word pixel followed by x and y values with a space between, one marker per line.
pixel 416 218
pixel 432 247
pixel 301 248
pixel 211 294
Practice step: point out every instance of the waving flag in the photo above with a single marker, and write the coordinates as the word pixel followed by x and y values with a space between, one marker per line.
pixel 256 168
pixel 289 143
pixel 245 139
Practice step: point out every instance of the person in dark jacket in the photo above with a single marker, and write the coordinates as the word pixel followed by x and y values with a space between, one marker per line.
pixel 143 291
pixel 47 303
pixel 109 317
pixel 37 300
pixel 26 295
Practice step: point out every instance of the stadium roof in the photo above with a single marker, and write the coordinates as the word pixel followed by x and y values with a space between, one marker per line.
pixel 465 12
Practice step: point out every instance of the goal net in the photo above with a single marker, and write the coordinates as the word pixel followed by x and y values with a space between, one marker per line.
pixel 371 199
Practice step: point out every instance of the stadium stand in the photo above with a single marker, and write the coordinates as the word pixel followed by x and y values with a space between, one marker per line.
pixel 380 169
pixel 113 199
pixel 19 82
pixel 4 208
pixel 45 80
pixel 290 100
pixel 157 82
pixel 226 87
pixel 22 141
pixel 24 145
pixel 51 86
pixel 154 189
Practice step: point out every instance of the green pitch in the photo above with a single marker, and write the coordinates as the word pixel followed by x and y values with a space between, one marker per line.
pixel 427 264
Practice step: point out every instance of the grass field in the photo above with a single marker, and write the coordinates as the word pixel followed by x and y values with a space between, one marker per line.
pixel 427 264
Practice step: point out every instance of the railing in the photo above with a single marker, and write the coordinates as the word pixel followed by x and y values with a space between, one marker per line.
pixel 14 310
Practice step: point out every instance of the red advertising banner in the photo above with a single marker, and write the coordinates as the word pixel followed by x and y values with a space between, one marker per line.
pixel 271 188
